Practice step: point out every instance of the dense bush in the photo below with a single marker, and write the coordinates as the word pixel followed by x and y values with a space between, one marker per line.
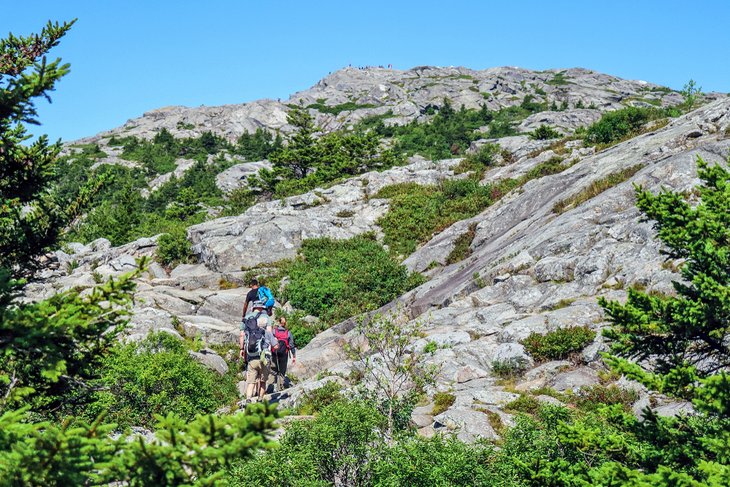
pixel 417 212
pixel 510 368
pixel 316 400
pixel 545 132
pixel 558 344
pixel 173 248
pixel 307 161
pixel 335 448
pixel 621 124
pixel 336 279
pixel 158 376
pixel 257 146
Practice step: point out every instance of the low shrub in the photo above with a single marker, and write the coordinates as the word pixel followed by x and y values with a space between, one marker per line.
pixel 441 402
pixel 507 369
pixel 316 400
pixel 158 376
pixel 621 124
pixel 524 404
pixel 477 162
pixel 173 248
pixel 337 279
pixel 558 344
pixel 593 397
pixel 545 132
pixel 462 245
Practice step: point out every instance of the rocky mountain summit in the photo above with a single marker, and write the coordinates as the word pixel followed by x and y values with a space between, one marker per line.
pixel 351 94
pixel 538 260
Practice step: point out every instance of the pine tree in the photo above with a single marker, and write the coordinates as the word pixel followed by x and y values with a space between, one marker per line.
pixel 30 220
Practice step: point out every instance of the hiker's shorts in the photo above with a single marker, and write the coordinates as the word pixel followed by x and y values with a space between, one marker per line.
pixel 257 371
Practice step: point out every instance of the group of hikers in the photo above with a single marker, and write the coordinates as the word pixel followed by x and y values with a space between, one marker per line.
pixel 265 347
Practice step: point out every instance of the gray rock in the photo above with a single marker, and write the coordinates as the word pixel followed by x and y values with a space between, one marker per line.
pixel 236 177
pixel 575 379
pixel 211 360
pixel 469 425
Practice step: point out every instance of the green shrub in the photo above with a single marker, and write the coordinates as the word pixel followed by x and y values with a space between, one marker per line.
pixel 337 109
pixel 430 347
pixel 437 461
pixel 158 376
pixel 316 400
pixel 173 248
pixel 507 369
pixel 337 279
pixel 462 245
pixel 524 404
pixel 545 132
pixel 417 212
pixel 558 344
pixel 441 402
pixel 335 448
pixel 620 124
pixel 593 397
pixel 477 162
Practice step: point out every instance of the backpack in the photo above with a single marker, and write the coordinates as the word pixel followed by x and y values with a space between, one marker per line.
pixel 254 336
pixel 283 337
pixel 265 296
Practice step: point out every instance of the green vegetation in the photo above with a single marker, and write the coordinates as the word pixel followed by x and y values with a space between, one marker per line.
pixel 337 109
pixel 509 369
pixel 336 279
pixel 462 245
pixel 524 404
pixel 558 79
pixel 318 399
pixel 450 132
pixel 559 344
pixel 259 145
pixel 173 248
pixel 623 124
pixel 158 376
pixel 477 162
pixel 691 93
pixel 307 162
pixel 417 212
pixel 545 132
pixel 441 402
pixel 596 188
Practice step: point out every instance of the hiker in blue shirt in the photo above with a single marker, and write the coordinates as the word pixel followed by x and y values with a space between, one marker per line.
pixel 259 293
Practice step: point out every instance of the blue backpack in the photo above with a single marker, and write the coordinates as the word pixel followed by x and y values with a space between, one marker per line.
pixel 265 296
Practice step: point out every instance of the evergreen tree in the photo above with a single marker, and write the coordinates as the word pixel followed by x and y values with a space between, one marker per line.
pixel 50 350
pixel 30 220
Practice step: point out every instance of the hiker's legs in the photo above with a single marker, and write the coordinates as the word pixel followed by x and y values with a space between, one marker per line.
pixel 252 377
pixel 263 378
pixel 283 361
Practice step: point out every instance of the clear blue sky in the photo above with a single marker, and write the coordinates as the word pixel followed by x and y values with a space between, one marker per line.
pixel 131 56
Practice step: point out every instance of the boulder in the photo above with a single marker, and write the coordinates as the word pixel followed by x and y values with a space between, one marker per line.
pixel 211 360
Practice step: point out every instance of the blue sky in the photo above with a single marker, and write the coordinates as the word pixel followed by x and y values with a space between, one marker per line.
pixel 131 56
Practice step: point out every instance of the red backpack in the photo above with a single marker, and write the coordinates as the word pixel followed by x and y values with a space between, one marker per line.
pixel 283 337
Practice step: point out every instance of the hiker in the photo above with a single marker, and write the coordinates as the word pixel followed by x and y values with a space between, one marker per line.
pixel 260 299
pixel 256 344
pixel 280 357
pixel 259 293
